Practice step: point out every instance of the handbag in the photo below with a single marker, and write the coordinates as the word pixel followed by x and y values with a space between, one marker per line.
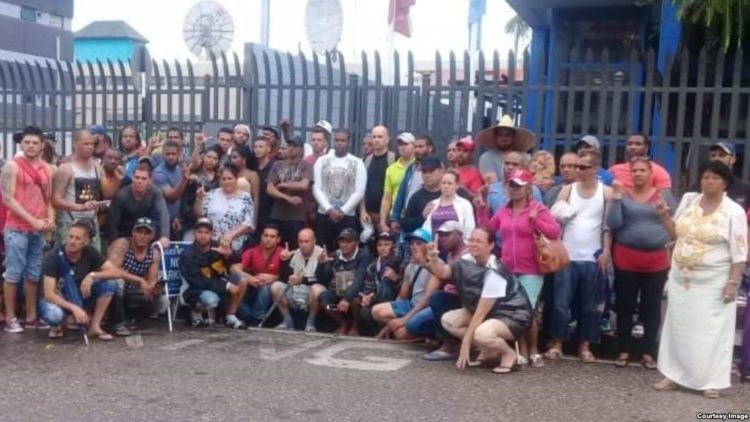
pixel 551 255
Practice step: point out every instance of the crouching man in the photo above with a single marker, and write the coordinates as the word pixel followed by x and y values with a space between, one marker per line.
pixel 301 290
pixel 205 269
pixel 77 279
pixel 139 288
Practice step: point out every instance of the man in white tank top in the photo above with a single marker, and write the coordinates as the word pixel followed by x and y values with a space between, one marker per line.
pixel 584 235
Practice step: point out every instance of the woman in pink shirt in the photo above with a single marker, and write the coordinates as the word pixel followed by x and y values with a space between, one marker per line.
pixel 517 222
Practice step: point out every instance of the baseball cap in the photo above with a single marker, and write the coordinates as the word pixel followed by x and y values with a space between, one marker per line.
pixel 421 235
pixel 521 177
pixel 466 143
pixel 385 236
pixel 591 141
pixel 149 160
pixel 97 130
pixel 450 227
pixel 294 141
pixel 348 233
pixel 204 222
pixel 406 137
pixel 325 125
pixel 272 129
pixel 724 146
pixel 430 163
pixel 145 223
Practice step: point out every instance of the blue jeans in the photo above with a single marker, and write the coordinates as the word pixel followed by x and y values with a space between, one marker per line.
pixel 427 321
pixel 54 315
pixel 255 304
pixel 23 256
pixel 576 284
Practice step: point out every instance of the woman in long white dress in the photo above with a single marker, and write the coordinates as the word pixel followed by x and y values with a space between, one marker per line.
pixel 697 338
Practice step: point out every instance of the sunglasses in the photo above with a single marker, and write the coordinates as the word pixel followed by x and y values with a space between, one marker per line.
pixel 581 167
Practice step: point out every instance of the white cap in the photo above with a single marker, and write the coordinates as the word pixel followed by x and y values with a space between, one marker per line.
pixel 450 227
pixel 591 141
pixel 406 137
pixel 325 125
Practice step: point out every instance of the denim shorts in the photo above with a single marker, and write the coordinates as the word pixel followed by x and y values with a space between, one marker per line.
pixel 23 256
pixel 401 307
pixel 54 315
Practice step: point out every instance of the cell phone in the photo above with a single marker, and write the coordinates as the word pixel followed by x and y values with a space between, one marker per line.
pixel 331 308
pixel 104 204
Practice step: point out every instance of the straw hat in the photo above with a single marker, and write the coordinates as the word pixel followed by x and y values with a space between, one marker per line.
pixel 523 140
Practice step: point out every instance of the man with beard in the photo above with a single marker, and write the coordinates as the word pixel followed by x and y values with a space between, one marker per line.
pixel 172 179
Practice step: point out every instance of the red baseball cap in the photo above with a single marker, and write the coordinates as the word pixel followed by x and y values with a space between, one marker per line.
pixel 521 177
pixel 466 143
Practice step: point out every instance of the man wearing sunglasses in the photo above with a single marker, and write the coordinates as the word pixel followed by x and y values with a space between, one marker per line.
pixel 588 242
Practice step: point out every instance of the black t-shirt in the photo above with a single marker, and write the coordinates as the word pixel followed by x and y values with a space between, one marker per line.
pixel 91 260
pixel 375 182
pixel 265 202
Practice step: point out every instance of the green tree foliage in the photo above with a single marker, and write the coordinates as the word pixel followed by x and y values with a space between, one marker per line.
pixel 725 20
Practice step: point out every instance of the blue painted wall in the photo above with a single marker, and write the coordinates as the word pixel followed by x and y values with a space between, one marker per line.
pixel 104 49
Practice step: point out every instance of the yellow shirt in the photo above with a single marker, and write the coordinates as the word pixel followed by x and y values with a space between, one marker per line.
pixel 394 174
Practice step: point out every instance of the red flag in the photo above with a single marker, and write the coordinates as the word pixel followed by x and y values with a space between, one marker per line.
pixel 398 16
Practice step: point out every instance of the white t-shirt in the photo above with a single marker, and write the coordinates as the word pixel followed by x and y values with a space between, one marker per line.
pixel 582 236
pixel 495 286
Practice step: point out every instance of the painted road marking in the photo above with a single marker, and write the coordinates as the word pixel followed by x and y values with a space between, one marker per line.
pixel 272 354
pixel 326 357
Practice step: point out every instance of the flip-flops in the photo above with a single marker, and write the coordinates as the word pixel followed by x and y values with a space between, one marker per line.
pixel 103 336
pixel 587 357
pixel 503 370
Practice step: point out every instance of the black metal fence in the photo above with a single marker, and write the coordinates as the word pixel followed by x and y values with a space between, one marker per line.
pixel 685 104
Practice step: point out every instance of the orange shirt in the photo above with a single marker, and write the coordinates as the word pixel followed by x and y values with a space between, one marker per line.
pixel 661 178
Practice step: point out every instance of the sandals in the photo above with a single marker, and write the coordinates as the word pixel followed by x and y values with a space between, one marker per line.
pixel 521 360
pixel 648 363
pixel 536 360
pixel 553 354
pixel 587 357
pixel 622 360
pixel 665 385
pixel 55 332
pixel 104 336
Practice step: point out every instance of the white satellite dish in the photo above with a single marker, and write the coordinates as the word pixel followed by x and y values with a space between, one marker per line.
pixel 324 23
pixel 208 28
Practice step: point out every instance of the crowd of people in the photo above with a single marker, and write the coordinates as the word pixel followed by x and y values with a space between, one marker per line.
pixel 402 244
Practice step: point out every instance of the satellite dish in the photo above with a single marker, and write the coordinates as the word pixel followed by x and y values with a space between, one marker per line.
pixel 208 28
pixel 324 23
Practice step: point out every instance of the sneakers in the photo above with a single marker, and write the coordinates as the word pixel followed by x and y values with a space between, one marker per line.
pixel 121 331
pixel 37 324
pixel 285 326
pixel 12 326
pixel 637 331
pixel 310 329
pixel 234 322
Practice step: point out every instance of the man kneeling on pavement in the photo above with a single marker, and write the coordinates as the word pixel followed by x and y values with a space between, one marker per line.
pixel 77 279
pixel 205 269
pixel 301 291
pixel 139 287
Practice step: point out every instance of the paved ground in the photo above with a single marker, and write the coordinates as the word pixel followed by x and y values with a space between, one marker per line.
pixel 220 374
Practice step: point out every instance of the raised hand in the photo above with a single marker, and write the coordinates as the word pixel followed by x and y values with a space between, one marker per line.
pixel 618 189
pixel 323 258
pixel 662 208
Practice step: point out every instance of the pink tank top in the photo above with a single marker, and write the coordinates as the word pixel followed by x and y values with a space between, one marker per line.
pixel 31 197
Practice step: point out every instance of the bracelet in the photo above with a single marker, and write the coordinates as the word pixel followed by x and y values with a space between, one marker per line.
pixel 733 281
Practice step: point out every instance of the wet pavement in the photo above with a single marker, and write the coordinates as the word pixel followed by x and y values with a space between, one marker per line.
pixel 214 374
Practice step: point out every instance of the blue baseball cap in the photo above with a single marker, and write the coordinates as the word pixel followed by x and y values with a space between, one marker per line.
pixel 420 234
pixel 724 146
pixel 97 130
